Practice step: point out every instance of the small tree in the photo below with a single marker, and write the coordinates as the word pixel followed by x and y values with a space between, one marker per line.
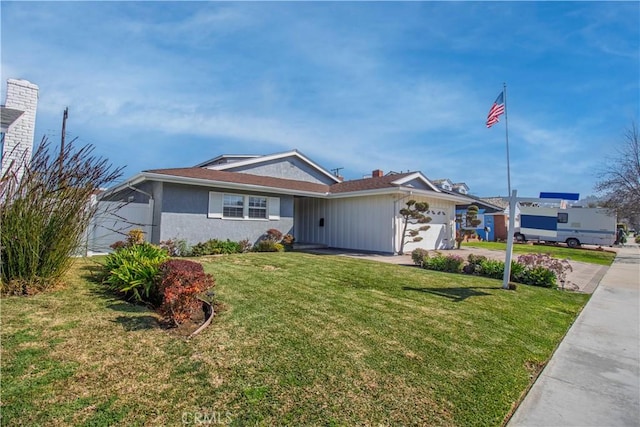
pixel 620 179
pixel 414 213
pixel 467 222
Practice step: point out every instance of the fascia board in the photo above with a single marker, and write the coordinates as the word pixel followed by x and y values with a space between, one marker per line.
pixel 136 179
pixel 440 195
pixel 398 190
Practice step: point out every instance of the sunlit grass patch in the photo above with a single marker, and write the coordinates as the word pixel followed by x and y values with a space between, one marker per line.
pixel 305 339
pixel 601 257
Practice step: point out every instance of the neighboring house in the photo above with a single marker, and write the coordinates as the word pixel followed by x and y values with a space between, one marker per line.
pixel 18 119
pixel 492 216
pixel 241 197
pixel 493 219
pixel 444 184
pixel 448 185
pixel 461 187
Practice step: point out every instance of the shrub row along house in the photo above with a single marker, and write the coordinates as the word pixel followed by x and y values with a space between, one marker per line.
pixel 240 197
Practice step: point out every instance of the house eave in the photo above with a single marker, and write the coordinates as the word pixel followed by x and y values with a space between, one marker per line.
pixel 400 190
pixel 136 179
pixel 228 185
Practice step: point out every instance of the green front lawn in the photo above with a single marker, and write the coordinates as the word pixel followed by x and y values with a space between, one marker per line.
pixel 583 255
pixel 305 340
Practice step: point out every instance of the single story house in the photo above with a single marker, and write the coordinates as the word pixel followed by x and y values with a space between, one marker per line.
pixel 241 197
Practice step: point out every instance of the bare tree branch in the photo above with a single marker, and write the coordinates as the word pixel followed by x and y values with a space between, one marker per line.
pixel 620 179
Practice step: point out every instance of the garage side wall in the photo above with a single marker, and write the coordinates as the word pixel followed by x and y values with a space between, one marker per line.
pixel 357 223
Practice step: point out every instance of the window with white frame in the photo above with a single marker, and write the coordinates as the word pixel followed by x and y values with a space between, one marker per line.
pixel 257 207
pixel 233 206
pixel 239 206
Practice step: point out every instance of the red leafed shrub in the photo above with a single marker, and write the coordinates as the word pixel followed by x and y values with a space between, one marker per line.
pixel 181 281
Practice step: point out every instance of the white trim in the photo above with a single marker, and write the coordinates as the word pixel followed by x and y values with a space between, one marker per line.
pixel 417 175
pixel 273 208
pixel 262 159
pixel 136 179
pixel 399 190
pixel 216 207
pixel 216 204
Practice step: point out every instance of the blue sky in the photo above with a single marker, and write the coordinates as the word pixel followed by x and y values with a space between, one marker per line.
pixel 363 85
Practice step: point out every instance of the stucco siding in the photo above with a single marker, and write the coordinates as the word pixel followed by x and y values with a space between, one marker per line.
pixel 184 217
pixel 287 168
pixel 195 228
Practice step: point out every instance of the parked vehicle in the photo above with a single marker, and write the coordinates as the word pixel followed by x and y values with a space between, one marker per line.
pixel 573 226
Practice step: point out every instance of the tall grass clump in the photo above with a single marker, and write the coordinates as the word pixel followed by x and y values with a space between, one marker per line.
pixel 45 208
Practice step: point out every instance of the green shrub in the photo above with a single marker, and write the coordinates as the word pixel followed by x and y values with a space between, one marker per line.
pixel 175 247
pixel 474 262
pixel 638 238
pixel 492 268
pixel 559 267
pixel 268 246
pixel 216 247
pixel 132 271
pixel 180 284
pixel 245 245
pixel 539 276
pixel 134 237
pixel 449 263
pixel 517 271
pixel 418 256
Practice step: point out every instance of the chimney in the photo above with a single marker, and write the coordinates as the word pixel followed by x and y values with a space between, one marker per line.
pixel 18 139
pixel 377 173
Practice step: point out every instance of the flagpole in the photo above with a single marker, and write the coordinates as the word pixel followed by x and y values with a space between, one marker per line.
pixel 512 202
pixel 506 129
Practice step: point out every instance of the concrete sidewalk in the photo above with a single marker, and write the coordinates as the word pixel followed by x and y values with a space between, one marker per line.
pixel 593 378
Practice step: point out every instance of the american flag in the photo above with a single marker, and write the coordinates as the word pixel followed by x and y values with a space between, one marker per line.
pixel 496 109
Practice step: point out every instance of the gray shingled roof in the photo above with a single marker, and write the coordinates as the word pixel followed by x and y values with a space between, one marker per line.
pixel 364 184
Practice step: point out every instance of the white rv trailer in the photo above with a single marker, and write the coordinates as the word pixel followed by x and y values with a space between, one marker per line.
pixel 573 226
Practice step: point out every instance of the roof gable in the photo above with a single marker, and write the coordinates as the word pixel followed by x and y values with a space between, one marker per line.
pixel 416 180
pixel 384 182
pixel 226 158
pixel 253 165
